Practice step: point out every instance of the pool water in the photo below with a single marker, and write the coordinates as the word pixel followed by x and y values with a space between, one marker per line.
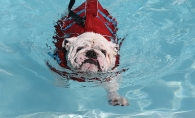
pixel 158 50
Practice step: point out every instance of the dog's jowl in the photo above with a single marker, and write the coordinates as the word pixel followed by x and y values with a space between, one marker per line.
pixel 87 45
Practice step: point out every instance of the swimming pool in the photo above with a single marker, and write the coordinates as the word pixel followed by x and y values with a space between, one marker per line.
pixel 159 52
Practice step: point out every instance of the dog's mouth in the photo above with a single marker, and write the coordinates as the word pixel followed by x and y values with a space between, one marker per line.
pixel 91 65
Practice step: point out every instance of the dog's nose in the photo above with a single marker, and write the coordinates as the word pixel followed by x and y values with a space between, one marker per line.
pixel 91 54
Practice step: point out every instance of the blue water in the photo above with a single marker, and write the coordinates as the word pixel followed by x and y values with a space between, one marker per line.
pixel 159 52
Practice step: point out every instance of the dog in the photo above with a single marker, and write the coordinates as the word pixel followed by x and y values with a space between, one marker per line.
pixel 86 43
pixel 90 52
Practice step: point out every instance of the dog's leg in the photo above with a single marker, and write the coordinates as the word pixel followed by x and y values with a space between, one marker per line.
pixel 112 87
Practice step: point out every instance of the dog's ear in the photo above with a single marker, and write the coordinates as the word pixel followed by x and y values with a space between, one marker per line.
pixel 115 48
pixel 68 42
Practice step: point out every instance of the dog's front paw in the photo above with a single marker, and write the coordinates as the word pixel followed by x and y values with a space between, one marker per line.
pixel 120 101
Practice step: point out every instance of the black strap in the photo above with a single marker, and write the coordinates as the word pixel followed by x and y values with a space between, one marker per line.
pixel 80 20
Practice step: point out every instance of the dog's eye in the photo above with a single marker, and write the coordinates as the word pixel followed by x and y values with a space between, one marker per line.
pixel 79 48
pixel 104 52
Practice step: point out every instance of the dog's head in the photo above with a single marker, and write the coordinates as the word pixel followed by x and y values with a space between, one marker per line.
pixel 90 52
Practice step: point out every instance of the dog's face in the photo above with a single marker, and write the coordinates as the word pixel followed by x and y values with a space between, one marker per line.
pixel 90 52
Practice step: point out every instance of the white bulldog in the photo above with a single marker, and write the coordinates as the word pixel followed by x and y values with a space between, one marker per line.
pixel 91 52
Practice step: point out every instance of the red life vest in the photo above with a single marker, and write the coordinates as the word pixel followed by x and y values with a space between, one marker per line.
pixel 97 20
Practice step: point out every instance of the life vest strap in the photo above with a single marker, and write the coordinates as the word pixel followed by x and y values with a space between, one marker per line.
pixel 80 20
